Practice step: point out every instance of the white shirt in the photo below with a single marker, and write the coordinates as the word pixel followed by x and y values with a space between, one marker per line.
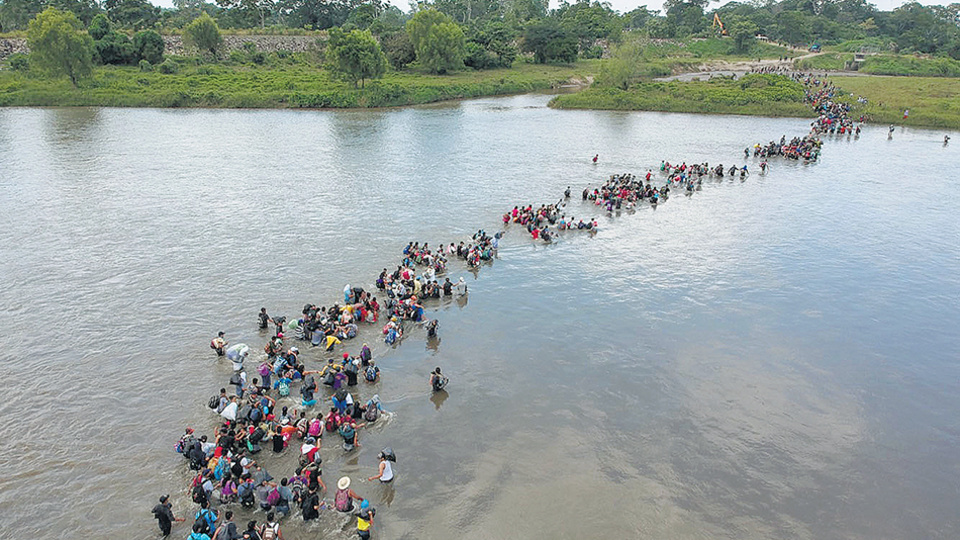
pixel 387 471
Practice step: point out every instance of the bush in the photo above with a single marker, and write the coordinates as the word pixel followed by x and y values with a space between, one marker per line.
pixel 148 46
pixel 477 57
pixel 19 62
pixel 168 67
pixel 203 34
pixel 592 52
pixel 238 57
pixel 115 48
pixel 145 66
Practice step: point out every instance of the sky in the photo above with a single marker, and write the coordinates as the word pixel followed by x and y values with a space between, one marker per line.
pixel 624 6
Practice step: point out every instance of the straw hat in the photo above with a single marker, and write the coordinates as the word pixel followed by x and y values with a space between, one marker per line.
pixel 343 483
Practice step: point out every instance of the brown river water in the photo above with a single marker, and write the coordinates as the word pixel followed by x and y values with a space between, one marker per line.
pixel 774 358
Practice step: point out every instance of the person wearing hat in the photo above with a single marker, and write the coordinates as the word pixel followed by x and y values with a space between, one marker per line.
pixel 164 514
pixel 344 497
pixel 365 520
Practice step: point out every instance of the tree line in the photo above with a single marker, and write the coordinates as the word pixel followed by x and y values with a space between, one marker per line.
pixel 365 37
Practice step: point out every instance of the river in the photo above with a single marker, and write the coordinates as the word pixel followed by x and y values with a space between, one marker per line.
pixel 774 358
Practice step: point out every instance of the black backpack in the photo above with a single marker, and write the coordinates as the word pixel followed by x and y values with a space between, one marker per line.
pixel 214 402
pixel 199 495
pixel 201 522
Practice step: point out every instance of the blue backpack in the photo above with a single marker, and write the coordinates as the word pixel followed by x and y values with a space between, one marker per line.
pixel 391 337
pixel 371 373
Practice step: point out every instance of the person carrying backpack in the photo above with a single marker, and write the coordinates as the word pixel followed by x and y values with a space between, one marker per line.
pixel 344 497
pixel 371 373
pixel 271 529
pixel 205 520
pixel 198 533
pixel 437 380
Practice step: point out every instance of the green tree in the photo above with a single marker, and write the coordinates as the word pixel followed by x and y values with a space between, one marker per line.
pixel 743 33
pixel 355 55
pixel 398 48
pixel 148 46
pixel 132 13
pixel 203 34
pixel 549 42
pixel 623 67
pixel 99 27
pixel 439 42
pixel 115 48
pixel 59 46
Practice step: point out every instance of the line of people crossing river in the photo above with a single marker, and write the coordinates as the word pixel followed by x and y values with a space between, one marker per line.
pixel 263 456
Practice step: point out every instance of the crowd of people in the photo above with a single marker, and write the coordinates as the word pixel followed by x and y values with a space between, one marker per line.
pixel 261 417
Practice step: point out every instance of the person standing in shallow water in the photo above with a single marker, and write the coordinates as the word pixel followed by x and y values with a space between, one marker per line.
pixel 264 318
pixel 164 514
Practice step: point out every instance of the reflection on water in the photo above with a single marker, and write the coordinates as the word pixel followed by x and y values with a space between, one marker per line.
pixel 772 358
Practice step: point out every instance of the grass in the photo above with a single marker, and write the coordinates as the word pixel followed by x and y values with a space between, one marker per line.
pixel 663 58
pixel 885 64
pixel 759 95
pixel 933 101
pixel 281 85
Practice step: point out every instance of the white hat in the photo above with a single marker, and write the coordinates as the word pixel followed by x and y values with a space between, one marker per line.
pixel 343 483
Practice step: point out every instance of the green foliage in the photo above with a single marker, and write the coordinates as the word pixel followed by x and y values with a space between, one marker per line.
pixel 59 46
pixel 549 42
pixel 115 48
pixel 398 48
pixel 145 66
pixel 135 14
pixel 911 65
pixel 168 67
pixel 742 31
pixel 148 46
pixel 355 56
pixel 478 58
pixel 99 27
pixel 768 95
pixel 439 42
pixel 290 85
pixel 19 62
pixel 203 34
pixel 623 67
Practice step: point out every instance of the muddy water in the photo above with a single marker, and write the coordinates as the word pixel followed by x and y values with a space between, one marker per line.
pixel 773 358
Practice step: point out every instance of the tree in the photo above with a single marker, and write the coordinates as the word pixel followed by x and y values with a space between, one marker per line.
pixel 623 67
pixel 549 42
pixel 99 27
pixel 398 48
pixel 132 13
pixel 355 55
pixel 203 34
pixel 743 32
pixel 439 42
pixel 148 46
pixel 115 48
pixel 59 46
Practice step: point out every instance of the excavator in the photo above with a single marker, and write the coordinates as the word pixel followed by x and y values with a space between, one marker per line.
pixel 717 22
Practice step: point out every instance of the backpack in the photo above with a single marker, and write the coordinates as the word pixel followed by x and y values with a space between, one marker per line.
pixel 309 382
pixel 342 501
pixel 198 495
pixel 202 522
pixel 371 374
pixel 315 429
pixel 269 532
pixel 273 497
pixel 283 387
pixel 245 493
pixel 371 414
pixel 256 415
pixel 331 424
pixel 236 380
pixel 391 337
pixel 348 433
pixel 221 468
pixel 214 402
pixel 264 369
pixel 329 378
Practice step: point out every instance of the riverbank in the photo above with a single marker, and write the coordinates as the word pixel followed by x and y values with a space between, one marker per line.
pixel 298 85
pixel 757 95
pixel 933 102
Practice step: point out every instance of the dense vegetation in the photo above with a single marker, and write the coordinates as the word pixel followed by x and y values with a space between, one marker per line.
pixel 766 95
pixel 258 80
